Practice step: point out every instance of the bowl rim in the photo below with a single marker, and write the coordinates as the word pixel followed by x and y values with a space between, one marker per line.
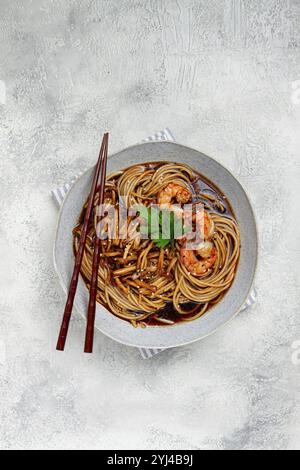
pixel 184 342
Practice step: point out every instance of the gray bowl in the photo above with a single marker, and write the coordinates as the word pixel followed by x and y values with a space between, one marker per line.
pixel 184 333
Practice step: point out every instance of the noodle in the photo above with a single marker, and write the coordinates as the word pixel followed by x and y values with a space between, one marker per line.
pixel 147 284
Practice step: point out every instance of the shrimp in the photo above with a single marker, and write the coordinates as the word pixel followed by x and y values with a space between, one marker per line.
pixel 205 249
pixel 202 222
pixel 206 224
pixel 173 190
pixel 200 261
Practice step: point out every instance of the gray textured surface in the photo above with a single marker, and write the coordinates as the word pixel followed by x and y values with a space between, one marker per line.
pixel 220 74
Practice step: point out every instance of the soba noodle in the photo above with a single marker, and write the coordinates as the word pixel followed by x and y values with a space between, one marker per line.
pixel 146 284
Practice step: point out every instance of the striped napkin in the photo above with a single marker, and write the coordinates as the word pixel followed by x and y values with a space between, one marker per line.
pixel 59 194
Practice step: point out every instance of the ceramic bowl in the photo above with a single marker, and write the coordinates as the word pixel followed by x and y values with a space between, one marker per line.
pixel 182 333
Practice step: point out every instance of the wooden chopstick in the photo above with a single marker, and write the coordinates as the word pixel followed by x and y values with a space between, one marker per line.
pixel 89 337
pixel 78 261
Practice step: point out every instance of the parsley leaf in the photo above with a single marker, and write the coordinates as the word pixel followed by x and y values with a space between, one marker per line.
pixel 163 226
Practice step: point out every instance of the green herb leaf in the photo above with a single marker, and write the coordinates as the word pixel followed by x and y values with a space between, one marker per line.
pixel 162 226
pixel 162 243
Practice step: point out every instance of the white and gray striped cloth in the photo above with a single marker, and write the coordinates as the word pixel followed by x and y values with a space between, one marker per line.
pixel 59 194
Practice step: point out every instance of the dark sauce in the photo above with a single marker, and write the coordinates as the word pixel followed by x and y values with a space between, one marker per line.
pixel 169 313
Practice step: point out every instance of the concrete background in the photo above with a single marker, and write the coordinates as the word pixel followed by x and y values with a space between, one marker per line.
pixel 224 76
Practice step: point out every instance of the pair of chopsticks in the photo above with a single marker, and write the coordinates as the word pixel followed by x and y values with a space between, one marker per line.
pixel 98 181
